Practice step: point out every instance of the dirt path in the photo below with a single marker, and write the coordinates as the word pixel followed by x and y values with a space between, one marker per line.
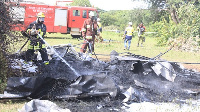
pixel 192 66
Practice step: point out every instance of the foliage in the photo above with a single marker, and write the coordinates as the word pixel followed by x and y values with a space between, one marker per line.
pixel 6 39
pixel 174 19
pixel 165 31
pixel 81 3
pixel 187 28
pixel 189 17
pixel 4 20
pixel 120 18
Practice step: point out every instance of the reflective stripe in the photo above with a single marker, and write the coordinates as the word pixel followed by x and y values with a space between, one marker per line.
pixel 29 45
pixel 28 31
pixel 40 32
pixel 83 29
pixel 88 37
pixel 35 47
pixel 88 26
pixel 43 46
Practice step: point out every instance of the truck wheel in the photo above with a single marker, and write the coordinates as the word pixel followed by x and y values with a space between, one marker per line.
pixel 75 36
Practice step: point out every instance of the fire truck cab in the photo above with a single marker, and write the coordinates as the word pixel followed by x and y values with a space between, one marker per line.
pixel 58 19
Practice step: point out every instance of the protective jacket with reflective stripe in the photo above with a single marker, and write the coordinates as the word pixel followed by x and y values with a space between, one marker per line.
pixel 89 28
pixel 42 31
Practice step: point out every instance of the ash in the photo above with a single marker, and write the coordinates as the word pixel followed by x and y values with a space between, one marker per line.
pixel 137 80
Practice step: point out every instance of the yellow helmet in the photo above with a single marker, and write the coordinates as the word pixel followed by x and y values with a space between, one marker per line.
pixel 41 14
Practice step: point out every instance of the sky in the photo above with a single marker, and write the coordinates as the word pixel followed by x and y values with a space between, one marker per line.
pixel 107 4
pixel 118 4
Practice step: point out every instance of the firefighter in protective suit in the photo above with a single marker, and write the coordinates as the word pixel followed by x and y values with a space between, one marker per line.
pixel 89 30
pixel 35 43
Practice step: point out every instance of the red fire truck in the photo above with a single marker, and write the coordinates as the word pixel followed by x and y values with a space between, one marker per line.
pixel 58 19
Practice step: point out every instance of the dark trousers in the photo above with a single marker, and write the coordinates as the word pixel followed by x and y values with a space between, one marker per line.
pixel 30 54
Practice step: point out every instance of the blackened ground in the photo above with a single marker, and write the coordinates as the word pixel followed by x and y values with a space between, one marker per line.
pixel 93 104
pixel 146 84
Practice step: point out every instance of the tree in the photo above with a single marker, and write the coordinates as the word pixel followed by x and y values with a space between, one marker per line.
pixel 84 3
pixel 169 5
pixel 5 41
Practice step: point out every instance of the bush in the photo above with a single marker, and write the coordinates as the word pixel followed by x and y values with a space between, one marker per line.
pixel 187 28
pixel 5 41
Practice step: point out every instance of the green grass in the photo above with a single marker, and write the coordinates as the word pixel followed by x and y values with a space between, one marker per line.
pixel 11 106
pixel 150 50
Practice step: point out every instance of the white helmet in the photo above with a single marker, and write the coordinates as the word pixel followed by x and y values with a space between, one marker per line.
pixel 130 23
pixel 91 13
pixel 98 19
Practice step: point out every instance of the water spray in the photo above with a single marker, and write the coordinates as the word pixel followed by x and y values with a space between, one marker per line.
pixel 63 60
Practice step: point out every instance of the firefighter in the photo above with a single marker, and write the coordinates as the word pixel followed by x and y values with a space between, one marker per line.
pixel 99 30
pixel 141 29
pixel 128 36
pixel 35 43
pixel 89 30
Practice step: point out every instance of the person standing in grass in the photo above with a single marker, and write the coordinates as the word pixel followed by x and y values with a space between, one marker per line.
pixel 128 36
pixel 141 29
pixel 89 30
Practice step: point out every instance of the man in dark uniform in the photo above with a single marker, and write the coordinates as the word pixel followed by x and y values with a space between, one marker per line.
pixel 35 43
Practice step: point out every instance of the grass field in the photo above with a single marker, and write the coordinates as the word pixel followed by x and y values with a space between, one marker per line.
pixel 116 43
pixel 113 41
pixel 11 106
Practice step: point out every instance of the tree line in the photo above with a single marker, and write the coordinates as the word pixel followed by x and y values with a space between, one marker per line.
pixel 172 19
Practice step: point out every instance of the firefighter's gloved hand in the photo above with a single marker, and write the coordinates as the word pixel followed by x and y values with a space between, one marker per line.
pixel 33 32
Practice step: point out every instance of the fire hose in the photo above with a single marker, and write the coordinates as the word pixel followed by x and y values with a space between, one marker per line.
pixel 24 34
pixel 90 48
pixel 63 60
pixel 22 46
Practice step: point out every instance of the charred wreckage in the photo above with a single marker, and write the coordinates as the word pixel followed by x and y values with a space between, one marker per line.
pixel 125 78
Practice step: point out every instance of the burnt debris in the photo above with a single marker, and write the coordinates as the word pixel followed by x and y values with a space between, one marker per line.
pixel 128 78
